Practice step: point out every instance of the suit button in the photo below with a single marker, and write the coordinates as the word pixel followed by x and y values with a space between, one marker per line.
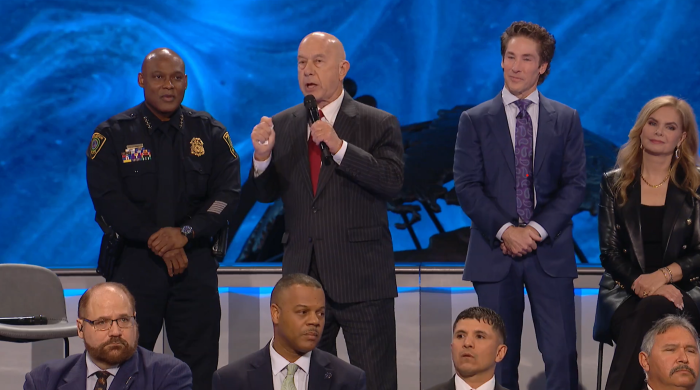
pixel 314 209
pixel 684 246
pixel 617 227
pixel 624 251
pixel 688 222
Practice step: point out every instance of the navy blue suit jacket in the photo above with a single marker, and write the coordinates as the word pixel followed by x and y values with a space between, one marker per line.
pixel 254 372
pixel 484 177
pixel 145 370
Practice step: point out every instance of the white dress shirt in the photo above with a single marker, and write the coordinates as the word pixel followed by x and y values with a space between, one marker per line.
pixel 92 369
pixel 279 369
pixel 330 112
pixel 511 112
pixel 460 384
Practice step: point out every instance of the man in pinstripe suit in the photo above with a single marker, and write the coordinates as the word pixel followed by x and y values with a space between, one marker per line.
pixel 336 217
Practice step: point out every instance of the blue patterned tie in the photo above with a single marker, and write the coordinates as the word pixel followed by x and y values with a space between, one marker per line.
pixel 523 162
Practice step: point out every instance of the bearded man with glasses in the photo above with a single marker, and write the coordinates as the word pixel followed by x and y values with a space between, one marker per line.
pixel 112 357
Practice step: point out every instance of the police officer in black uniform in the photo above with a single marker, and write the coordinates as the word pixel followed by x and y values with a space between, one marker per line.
pixel 166 179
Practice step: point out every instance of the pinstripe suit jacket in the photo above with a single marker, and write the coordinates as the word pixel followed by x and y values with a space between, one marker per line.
pixel 345 223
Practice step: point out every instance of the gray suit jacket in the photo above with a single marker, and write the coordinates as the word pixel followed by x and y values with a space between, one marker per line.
pixel 450 385
pixel 345 223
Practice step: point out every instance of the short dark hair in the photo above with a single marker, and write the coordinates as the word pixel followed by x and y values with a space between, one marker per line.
pixel 486 315
pixel 290 280
pixel 537 33
pixel 85 299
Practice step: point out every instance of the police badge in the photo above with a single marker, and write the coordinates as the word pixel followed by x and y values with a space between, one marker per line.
pixel 197 147
pixel 96 143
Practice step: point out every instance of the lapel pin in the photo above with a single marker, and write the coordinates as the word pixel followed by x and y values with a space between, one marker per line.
pixel 329 375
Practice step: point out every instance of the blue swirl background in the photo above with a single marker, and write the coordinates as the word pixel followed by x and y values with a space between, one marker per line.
pixel 67 66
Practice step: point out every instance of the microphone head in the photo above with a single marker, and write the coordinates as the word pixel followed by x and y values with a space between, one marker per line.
pixel 310 101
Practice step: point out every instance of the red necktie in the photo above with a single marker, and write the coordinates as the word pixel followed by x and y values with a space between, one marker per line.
pixel 315 159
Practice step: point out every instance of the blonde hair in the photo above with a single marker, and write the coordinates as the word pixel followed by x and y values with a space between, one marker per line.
pixel 629 158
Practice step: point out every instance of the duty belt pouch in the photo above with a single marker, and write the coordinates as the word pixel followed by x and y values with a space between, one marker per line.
pixel 220 243
pixel 110 249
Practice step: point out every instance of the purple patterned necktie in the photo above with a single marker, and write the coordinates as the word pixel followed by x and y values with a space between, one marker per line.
pixel 523 162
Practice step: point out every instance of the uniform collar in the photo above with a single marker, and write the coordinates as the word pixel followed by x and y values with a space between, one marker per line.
pixel 175 119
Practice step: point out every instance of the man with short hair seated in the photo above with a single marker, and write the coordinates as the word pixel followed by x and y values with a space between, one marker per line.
pixel 291 361
pixel 478 343
pixel 669 354
pixel 112 357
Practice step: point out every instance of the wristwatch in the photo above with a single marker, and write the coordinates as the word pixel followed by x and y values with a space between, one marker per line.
pixel 187 231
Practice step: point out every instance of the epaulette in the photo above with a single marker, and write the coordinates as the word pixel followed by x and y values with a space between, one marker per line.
pixel 130 114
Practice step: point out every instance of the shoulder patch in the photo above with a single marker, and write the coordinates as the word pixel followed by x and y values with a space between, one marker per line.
pixel 96 143
pixel 227 139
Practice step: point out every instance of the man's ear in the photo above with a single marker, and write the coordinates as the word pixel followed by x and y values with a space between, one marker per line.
pixel 80 323
pixel 644 361
pixel 275 313
pixel 501 352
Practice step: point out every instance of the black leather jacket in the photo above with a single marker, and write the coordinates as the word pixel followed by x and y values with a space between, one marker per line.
pixel 622 249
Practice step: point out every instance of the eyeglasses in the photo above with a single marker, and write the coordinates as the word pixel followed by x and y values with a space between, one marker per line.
pixel 102 324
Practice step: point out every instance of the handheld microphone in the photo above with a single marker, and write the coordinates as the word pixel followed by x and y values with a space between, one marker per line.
pixel 312 109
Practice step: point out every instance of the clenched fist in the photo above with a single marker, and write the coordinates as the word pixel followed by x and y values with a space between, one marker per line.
pixel 263 137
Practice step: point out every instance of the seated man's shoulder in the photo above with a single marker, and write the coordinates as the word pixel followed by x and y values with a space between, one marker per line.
pixel 239 368
pixel 51 372
pixel 339 365
pixel 160 362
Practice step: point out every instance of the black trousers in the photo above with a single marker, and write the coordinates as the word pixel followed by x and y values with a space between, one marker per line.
pixel 370 336
pixel 188 303
pixel 631 321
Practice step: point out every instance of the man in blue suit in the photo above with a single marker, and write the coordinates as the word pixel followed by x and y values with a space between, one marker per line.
pixel 519 174
pixel 112 358
pixel 291 360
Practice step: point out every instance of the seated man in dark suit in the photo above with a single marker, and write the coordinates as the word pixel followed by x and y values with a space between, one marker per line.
pixel 291 360
pixel 669 355
pixel 112 357
pixel 478 343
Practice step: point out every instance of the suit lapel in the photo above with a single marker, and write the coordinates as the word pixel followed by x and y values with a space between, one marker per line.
pixel 320 371
pixel 126 373
pixel 344 126
pixel 675 200
pixel 545 132
pixel 300 146
pixel 630 213
pixel 77 376
pixel 498 122
pixel 260 371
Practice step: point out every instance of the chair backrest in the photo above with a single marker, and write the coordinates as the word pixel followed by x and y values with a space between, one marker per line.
pixel 28 290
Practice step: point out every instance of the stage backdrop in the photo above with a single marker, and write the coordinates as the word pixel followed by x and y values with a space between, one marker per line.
pixel 67 66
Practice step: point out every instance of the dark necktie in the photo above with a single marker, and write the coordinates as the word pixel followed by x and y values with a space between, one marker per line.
pixel 315 158
pixel 165 203
pixel 523 162
pixel 101 380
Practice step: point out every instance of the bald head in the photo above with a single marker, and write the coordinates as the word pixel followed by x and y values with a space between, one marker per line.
pixel 162 53
pixel 164 82
pixel 322 67
pixel 332 44
pixel 108 293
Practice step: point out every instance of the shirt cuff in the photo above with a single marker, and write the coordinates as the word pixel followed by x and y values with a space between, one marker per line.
pixel 502 230
pixel 540 229
pixel 338 157
pixel 260 166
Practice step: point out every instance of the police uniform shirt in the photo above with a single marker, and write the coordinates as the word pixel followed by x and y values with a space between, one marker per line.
pixel 123 168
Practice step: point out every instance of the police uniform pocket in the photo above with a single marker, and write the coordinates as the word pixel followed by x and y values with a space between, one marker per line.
pixel 196 179
pixel 139 180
